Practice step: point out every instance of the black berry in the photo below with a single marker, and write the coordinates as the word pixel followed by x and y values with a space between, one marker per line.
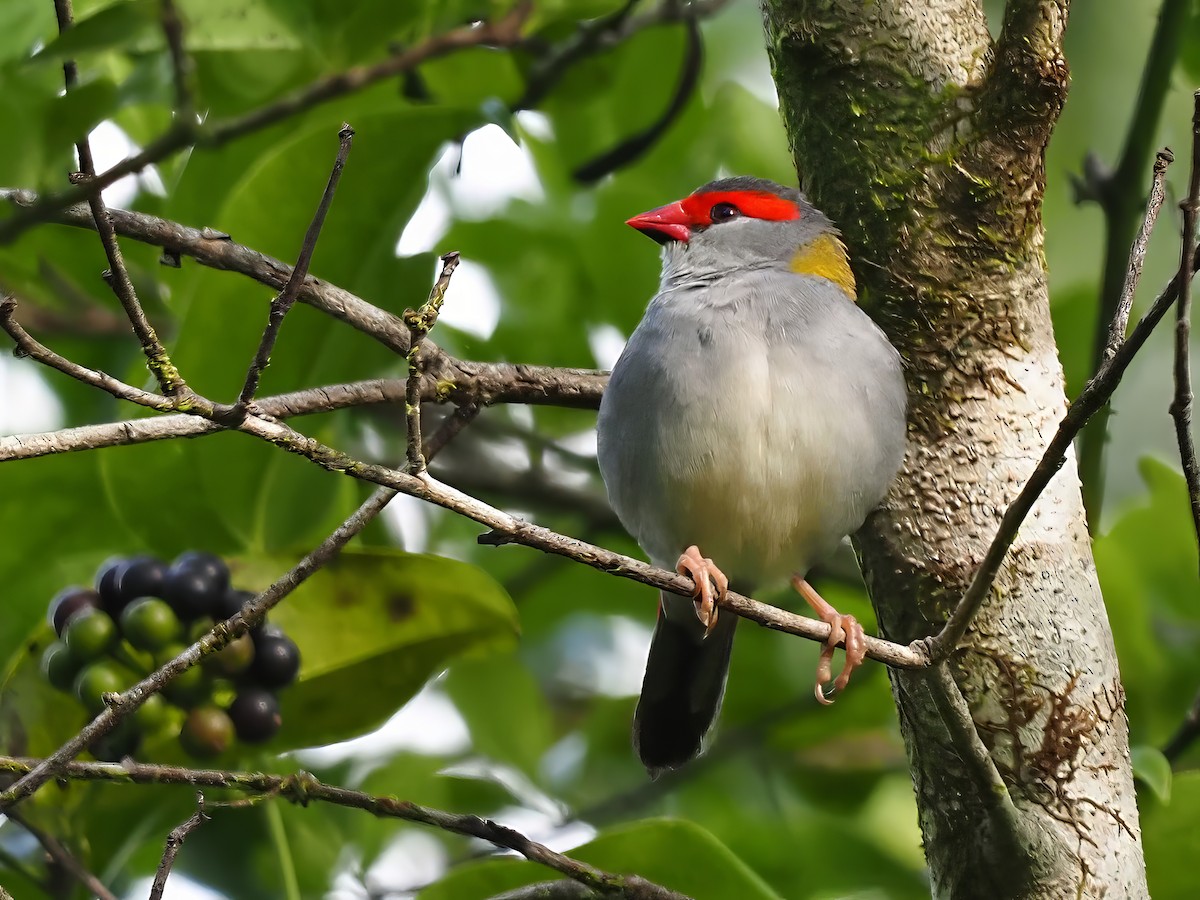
pixel 68 602
pixel 142 576
pixel 193 587
pixel 255 715
pixel 106 579
pixel 231 603
pixel 208 563
pixel 276 661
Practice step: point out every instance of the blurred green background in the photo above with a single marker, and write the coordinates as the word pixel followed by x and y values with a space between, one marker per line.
pixel 792 800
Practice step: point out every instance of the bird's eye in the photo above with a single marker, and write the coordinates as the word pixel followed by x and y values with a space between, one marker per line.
pixel 723 212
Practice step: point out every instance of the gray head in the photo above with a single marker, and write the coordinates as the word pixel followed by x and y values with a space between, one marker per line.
pixel 733 223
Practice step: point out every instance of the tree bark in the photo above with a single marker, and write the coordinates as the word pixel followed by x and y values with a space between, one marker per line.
pixel 925 141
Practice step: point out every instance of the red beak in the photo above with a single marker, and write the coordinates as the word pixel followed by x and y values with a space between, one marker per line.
pixel 667 223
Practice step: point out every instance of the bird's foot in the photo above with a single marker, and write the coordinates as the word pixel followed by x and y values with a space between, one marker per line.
pixel 702 570
pixel 841 628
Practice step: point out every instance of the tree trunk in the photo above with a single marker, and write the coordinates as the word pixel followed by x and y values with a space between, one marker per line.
pixel 925 142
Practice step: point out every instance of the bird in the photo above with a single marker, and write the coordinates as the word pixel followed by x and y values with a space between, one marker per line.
pixel 755 417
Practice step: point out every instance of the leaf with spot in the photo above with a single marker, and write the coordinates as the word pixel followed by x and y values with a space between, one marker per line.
pixel 372 627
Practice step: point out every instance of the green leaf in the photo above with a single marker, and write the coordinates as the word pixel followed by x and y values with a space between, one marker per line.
pixel 372 627
pixel 120 25
pixel 1147 568
pixel 674 853
pixel 1153 770
pixel 76 112
pixel 505 709
pixel 21 26
pixel 235 25
pixel 1171 840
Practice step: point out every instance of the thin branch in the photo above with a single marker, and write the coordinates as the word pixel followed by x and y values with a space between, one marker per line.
pixel 181 63
pixel 169 380
pixel 27 345
pixel 1181 406
pixel 549 890
pixel 505 528
pixel 67 860
pixel 302 788
pixel 504 32
pixel 420 322
pixel 174 841
pixel 139 431
pixel 1119 194
pixel 634 147
pixel 251 615
pixel 1137 254
pixel 283 302
pixel 453 380
pixel 449 429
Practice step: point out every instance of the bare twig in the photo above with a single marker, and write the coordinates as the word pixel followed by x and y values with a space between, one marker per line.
pixel 1119 194
pixel 549 890
pixel 634 147
pixel 122 705
pixel 1181 406
pixel 503 32
pixel 1137 253
pixel 181 63
pixel 169 380
pixel 26 345
pixel 449 429
pixel 303 788
pixel 174 841
pixel 449 379
pixel 139 431
pixel 420 322
pixel 283 302
pixel 505 528
pixel 63 857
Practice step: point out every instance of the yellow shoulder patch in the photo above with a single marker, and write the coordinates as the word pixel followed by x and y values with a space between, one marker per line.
pixel 826 257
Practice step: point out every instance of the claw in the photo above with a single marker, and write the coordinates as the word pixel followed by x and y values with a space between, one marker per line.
pixel 706 575
pixel 842 629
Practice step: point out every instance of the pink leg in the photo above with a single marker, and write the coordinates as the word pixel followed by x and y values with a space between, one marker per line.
pixel 702 571
pixel 841 628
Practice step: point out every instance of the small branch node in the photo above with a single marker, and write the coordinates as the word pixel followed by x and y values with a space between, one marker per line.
pixel 420 322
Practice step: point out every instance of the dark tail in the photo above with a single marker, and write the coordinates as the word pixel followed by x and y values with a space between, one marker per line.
pixel 682 690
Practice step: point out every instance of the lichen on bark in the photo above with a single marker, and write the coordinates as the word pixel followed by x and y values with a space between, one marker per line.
pixel 925 142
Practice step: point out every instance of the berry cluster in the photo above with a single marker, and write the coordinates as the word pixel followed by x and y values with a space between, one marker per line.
pixel 137 617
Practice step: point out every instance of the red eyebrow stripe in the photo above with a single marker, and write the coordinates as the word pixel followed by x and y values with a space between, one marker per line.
pixel 755 204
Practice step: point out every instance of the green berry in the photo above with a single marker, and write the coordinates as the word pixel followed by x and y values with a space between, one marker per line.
pixel 191 687
pixel 150 624
pixel 89 635
pixel 232 659
pixel 207 732
pixel 153 715
pixel 58 666
pixel 96 680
